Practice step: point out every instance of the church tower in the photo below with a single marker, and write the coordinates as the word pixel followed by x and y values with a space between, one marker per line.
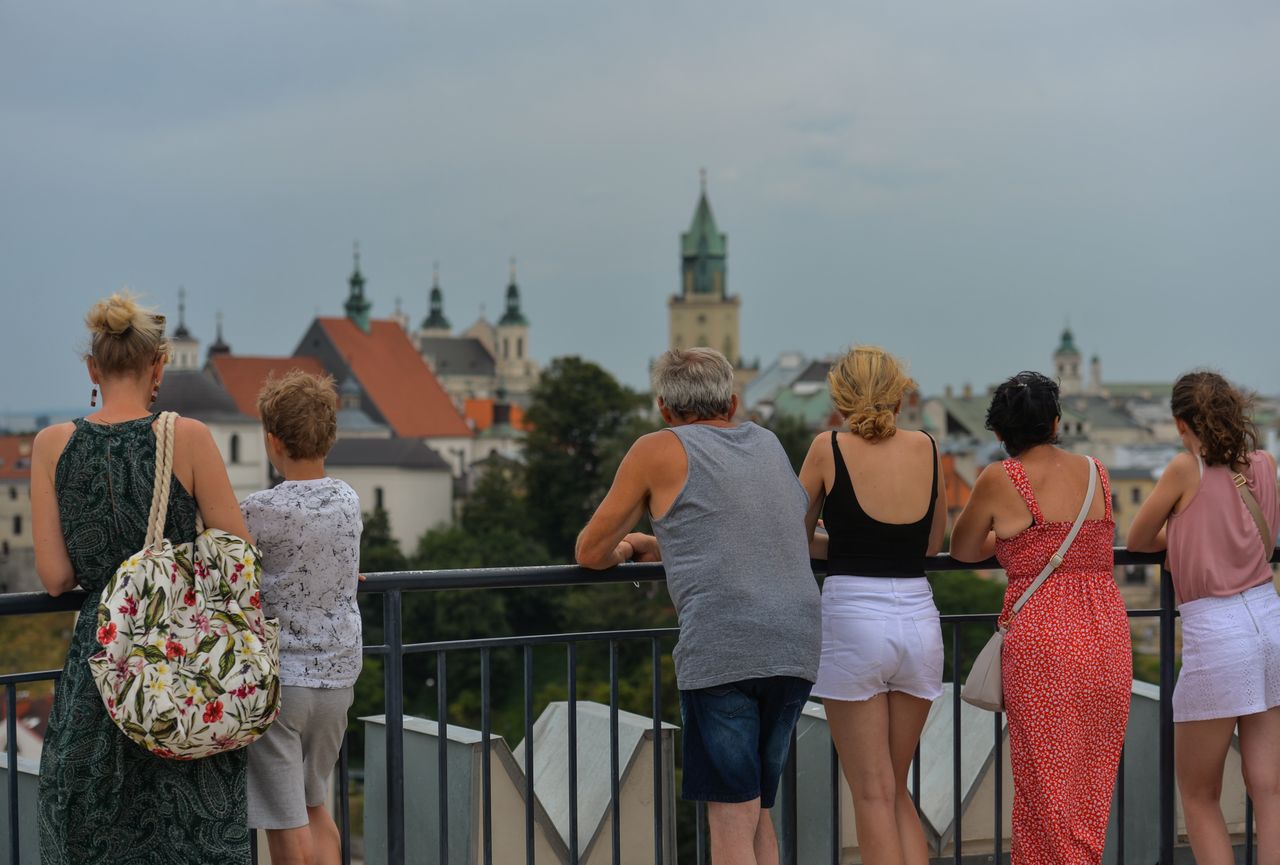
pixel 435 324
pixel 511 342
pixel 357 305
pixel 704 313
pixel 184 349
pixel 1066 364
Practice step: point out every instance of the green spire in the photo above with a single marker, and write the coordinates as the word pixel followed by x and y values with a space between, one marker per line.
pixel 1068 344
pixel 703 251
pixel 436 320
pixel 357 305
pixel 703 237
pixel 513 315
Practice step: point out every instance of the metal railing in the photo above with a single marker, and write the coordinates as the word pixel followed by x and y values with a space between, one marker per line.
pixel 393 650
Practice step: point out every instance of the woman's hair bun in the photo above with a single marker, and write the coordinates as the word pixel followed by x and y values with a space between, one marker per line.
pixel 116 314
pixel 124 336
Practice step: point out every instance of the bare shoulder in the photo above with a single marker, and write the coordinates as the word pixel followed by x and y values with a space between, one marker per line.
pixel 1182 467
pixel 50 442
pixel 992 478
pixel 189 432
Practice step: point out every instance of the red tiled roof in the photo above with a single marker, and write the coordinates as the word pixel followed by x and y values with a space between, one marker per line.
pixel 243 377
pixel 396 378
pixel 15 457
pixel 958 489
pixel 480 413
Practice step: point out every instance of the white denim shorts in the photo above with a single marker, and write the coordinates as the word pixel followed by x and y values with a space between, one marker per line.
pixel 1230 656
pixel 879 634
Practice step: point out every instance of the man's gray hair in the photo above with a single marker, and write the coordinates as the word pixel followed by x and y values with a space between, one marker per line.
pixel 695 382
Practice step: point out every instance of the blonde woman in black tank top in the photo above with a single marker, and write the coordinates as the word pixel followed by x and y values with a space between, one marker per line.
pixel 881 496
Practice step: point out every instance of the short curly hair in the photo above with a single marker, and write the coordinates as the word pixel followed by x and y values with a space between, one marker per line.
pixel 301 410
pixel 1023 411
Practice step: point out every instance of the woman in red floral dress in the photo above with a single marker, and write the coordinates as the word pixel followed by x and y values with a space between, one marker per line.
pixel 1067 660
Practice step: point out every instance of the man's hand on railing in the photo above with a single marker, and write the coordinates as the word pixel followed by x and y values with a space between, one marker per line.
pixel 645 547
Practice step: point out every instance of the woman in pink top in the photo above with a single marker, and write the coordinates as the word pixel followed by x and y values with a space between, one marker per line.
pixel 1229 608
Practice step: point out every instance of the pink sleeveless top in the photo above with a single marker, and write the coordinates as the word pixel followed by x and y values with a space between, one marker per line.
pixel 1214 546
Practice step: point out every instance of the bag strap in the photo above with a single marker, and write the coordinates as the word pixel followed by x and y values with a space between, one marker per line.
pixel 164 424
pixel 1268 538
pixel 1056 559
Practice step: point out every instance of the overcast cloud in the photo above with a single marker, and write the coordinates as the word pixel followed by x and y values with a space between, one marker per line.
pixel 953 181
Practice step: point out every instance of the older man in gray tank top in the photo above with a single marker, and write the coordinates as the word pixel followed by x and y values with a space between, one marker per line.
pixel 729 515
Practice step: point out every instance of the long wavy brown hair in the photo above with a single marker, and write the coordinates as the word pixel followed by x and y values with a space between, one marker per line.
pixel 1219 414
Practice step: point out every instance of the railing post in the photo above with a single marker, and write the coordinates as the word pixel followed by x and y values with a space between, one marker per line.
pixel 11 752
pixel 789 851
pixel 1168 819
pixel 393 703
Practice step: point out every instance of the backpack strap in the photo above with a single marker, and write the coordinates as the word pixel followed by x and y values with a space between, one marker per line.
pixel 164 425
pixel 1268 537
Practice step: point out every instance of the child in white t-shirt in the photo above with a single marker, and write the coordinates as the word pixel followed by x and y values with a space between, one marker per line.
pixel 308 533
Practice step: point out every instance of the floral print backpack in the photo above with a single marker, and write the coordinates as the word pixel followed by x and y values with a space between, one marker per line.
pixel 189 665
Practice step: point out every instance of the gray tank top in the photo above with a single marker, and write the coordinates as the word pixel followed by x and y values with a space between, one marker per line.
pixel 737 561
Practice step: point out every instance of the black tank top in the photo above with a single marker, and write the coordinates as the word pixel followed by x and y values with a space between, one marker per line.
pixel 865 547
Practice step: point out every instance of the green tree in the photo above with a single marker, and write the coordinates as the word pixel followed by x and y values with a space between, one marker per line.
pixel 794 435
pixel 577 409
pixel 958 592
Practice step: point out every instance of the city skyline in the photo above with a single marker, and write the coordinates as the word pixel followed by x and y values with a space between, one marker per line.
pixel 955 184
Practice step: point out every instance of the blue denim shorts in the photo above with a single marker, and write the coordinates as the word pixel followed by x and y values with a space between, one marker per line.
pixel 736 738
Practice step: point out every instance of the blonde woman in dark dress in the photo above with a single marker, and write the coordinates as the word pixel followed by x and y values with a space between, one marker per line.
pixel 105 800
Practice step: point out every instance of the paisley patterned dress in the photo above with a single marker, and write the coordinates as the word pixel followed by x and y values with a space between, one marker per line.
pixel 104 799
pixel 1068 670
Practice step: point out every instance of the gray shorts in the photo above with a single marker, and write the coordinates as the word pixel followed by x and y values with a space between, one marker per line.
pixel 289 767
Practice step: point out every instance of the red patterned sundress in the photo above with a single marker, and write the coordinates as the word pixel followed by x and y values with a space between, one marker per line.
pixel 1068 668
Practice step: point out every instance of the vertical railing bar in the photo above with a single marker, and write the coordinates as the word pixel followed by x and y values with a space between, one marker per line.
pixel 915 778
pixel 835 805
pixel 1168 824
pixel 1248 830
pixel 442 751
pixel 1120 808
pixel 789 846
pixel 573 753
pixel 955 740
pixel 344 797
pixel 615 805
pixel 11 753
pixel 528 755
pixel 998 765
pixel 659 800
pixel 700 834
pixel 486 791
pixel 393 703
pixel 253 846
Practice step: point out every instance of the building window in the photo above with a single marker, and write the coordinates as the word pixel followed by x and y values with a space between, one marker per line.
pixel 377 499
pixel 235 448
pixel 13 493
pixel 4 548
pixel 1115 503
pixel 519 346
pixel 17 524
pixel 506 347
pixel 1135 495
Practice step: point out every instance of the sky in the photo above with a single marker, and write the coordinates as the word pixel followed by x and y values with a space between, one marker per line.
pixel 954 181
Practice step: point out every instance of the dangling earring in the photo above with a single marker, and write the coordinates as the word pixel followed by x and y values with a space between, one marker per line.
pixel 155 390
pixel 93 397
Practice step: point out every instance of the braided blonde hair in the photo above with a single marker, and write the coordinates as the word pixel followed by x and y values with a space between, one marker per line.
pixel 867 388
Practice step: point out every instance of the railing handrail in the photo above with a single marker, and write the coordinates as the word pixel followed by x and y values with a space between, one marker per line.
pixel 525 577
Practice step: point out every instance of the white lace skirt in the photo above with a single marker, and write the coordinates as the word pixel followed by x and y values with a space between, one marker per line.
pixel 1230 656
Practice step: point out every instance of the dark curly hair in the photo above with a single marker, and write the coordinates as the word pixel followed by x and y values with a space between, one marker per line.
pixel 1219 415
pixel 1023 410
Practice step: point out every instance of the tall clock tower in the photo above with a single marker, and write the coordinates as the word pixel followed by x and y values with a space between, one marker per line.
pixel 704 313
